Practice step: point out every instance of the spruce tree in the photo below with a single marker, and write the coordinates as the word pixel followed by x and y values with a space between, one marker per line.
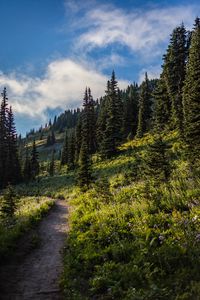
pixel 145 110
pixel 35 168
pixel 13 169
pixel 71 151
pixel 161 113
pixel 174 73
pixel 84 172
pixel 101 122
pixel 64 154
pixel 26 171
pixel 191 95
pixel 78 138
pixel 91 123
pixel 130 103
pixel 3 137
pixel 51 138
pixel 9 206
pixel 156 163
pixel 112 135
pixel 52 164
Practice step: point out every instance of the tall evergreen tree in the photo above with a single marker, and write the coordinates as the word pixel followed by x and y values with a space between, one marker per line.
pixel 71 151
pixel 191 94
pixel 52 164
pixel 84 173
pixel 64 154
pixel 91 123
pixel 9 159
pixel 78 138
pixel 9 206
pixel 174 73
pixel 35 167
pixel 101 121
pixel 51 138
pixel 130 103
pixel 157 165
pixel 3 137
pixel 145 110
pixel 13 169
pixel 26 171
pixel 162 107
pixel 113 131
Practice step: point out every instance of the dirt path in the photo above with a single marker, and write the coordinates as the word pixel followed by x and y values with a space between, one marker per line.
pixel 37 275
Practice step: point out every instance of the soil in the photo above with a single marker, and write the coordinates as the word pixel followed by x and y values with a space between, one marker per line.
pixel 36 274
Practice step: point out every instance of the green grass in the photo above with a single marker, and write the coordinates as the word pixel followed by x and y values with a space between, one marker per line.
pixel 129 237
pixel 135 240
pixel 30 211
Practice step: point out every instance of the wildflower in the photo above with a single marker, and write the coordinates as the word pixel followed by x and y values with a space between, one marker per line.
pixel 161 238
pixel 195 218
pixel 198 237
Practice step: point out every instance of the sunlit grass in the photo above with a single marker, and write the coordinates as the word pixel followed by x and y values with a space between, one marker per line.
pixel 30 211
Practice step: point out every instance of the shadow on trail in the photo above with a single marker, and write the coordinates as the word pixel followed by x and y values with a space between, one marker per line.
pixel 36 276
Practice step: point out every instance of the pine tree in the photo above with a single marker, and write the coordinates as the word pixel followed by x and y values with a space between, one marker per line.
pixel 27 167
pixel 84 173
pixel 52 164
pixel 3 137
pixel 174 73
pixel 156 162
pixel 64 155
pixel 92 123
pixel 9 206
pixel 78 138
pixel 161 114
pixel 130 109
pixel 145 110
pixel 34 161
pixel 101 122
pixel 113 131
pixel 71 151
pixel 13 169
pixel 191 94
pixel 51 138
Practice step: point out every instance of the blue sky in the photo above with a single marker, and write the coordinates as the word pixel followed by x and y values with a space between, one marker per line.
pixel 51 49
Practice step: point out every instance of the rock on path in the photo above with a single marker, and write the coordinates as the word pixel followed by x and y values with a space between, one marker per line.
pixel 37 275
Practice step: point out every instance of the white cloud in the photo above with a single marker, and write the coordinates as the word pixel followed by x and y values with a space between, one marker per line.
pixel 142 32
pixel 62 86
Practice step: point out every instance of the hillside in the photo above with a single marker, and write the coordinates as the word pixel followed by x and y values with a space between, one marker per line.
pixel 127 167
pixel 131 236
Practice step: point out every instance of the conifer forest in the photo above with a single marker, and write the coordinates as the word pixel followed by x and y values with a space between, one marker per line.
pixel 123 173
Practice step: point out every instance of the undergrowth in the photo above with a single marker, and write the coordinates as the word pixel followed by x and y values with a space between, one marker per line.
pixel 132 237
pixel 29 212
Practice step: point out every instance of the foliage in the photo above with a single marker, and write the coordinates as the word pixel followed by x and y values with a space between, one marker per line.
pixel 130 239
pixel 28 212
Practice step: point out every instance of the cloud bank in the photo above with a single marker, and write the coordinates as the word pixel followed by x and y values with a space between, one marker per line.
pixel 96 27
pixel 62 86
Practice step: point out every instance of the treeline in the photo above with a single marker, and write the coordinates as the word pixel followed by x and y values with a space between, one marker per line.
pixel 170 103
pixel 13 169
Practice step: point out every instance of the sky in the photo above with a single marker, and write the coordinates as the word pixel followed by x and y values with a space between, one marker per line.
pixel 52 49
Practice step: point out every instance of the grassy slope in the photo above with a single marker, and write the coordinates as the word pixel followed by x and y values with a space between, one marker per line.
pixel 129 240
pixel 30 211
pixel 133 240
